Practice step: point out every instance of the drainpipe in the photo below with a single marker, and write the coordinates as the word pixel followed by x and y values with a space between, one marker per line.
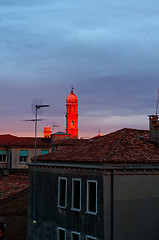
pixel 112 204
pixel 10 159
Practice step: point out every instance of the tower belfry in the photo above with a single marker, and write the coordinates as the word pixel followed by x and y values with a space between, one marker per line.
pixel 72 115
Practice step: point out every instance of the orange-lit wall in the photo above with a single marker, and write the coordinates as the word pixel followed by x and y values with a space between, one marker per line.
pixel 72 115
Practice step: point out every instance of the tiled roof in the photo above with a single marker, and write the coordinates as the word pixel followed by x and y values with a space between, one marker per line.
pixel 12 185
pixel 30 142
pixel 124 146
pixel 8 140
pixel 70 142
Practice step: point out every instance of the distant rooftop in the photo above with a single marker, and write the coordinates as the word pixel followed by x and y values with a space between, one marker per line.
pixel 12 185
pixel 7 140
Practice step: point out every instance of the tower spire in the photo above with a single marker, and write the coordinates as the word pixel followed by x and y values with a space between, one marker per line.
pixel 72 115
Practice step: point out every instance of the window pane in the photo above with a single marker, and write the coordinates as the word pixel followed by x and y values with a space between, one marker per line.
pixel 2 158
pixel 92 195
pixel 23 158
pixel 62 195
pixel 76 194
pixel 61 234
pixel 91 238
pixel 75 236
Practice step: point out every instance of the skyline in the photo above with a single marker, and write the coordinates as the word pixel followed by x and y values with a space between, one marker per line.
pixel 108 50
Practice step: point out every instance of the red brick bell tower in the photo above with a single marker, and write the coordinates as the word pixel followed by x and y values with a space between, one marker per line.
pixel 72 115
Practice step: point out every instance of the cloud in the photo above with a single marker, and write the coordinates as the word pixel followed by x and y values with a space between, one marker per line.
pixel 108 50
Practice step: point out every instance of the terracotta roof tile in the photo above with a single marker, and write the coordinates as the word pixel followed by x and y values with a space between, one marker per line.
pixel 12 185
pixel 125 145
pixel 8 140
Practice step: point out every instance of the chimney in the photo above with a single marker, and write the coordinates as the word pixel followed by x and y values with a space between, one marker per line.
pixel 47 132
pixel 154 128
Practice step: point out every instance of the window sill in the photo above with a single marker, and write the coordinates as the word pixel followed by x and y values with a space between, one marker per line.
pixel 76 209
pixel 61 207
pixel 92 213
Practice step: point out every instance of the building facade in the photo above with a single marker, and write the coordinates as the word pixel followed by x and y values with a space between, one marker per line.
pixel 15 152
pixel 102 189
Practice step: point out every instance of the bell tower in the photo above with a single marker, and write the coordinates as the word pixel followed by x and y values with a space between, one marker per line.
pixel 72 115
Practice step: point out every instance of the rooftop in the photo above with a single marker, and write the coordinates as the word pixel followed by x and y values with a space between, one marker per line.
pixel 12 185
pixel 123 146
pixel 8 140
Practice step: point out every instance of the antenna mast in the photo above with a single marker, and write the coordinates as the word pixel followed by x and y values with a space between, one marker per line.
pixel 36 120
pixel 157 103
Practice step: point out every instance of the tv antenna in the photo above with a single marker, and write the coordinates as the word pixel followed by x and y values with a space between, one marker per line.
pixel 55 126
pixel 157 103
pixel 37 108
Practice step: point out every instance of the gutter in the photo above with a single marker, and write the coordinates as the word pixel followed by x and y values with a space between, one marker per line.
pixel 98 167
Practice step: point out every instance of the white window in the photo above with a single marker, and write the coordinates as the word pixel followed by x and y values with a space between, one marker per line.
pixel 61 233
pixel 75 236
pixel 72 122
pixel 62 192
pixel 90 238
pixel 92 196
pixel 76 194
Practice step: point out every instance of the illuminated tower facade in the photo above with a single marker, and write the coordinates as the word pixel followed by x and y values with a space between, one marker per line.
pixel 72 115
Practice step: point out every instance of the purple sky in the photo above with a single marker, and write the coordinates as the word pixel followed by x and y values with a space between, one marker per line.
pixel 109 51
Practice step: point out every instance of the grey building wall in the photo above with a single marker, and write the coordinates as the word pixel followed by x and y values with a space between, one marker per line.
pixel 135 206
pixel 49 216
pixel 128 205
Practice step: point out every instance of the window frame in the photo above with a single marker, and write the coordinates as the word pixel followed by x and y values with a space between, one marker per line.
pixel 88 236
pixel 87 209
pixel 23 153
pixel 3 155
pixel 59 179
pixel 77 233
pixel 4 158
pixel 72 204
pixel 58 229
pixel 25 157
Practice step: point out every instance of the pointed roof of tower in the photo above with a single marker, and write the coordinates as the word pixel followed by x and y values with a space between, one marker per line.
pixel 72 98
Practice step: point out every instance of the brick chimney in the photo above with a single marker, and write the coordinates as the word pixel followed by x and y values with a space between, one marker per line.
pixel 154 128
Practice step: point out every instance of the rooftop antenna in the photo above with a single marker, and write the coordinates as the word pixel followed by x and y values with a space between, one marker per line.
pixel 157 103
pixel 55 126
pixel 37 108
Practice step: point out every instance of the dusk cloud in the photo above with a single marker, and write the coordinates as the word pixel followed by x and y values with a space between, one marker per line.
pixel 108 49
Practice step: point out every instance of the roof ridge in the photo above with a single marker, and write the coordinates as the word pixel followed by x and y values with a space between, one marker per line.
pixel 15 141
pixel 115 143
